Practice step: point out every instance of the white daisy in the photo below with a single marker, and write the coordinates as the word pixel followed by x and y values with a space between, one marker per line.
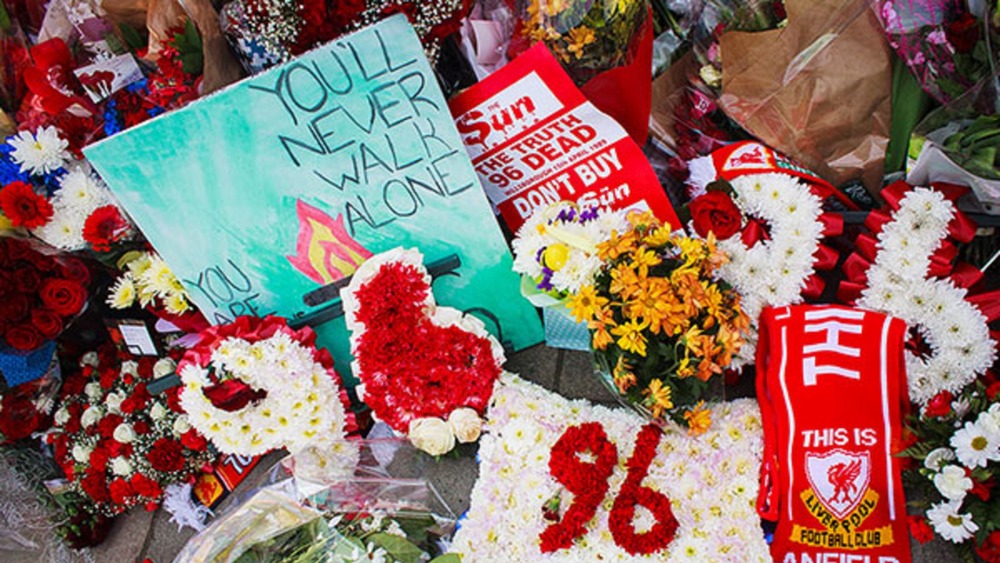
pixel 974 445
pixel 41 153
pixel 949 523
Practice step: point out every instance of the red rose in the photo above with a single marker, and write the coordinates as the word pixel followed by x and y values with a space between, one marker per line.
pixel 920 529
pixel 43 262
pixel 26 279
pixel 194 441
pixel 48 323
pixel 715 212
pixel 24 337
pixel 120 490
pixel 146 487
pixel 166 455
pixel 105 226
pixel 14 307
pixel 989 550
pixel 939 405
pixel 65 297
pixel 963 33
pixel 94 486
pixel 232 395
pixel 23 207
pixel 74 269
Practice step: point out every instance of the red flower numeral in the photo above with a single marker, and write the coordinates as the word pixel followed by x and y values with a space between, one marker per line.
pixel 588 481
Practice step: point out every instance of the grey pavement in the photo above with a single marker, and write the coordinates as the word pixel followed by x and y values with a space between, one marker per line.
pixel 140 534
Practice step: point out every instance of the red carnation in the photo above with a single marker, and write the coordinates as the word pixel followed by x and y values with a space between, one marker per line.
pixel 48 323
pixel 194 441
pixel 141 427
pixel 989 550
pixel 23 206
pixel 939 405
pixel 93 484
pixel 136 401
pixel 65 297
pixel 715 212
pixel 920 529
pixel 106 426
pixel 146 487
pixel 166 455
pixel 120 490
pixel 104 227
pixel 108 378
pixel 24 337
pixel 118 449
pixel 99 458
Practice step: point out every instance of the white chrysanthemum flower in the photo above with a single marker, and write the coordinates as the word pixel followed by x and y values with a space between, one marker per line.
pixel 64 230
pixel 974 446
pixel 41 153
pixel 122 294
pixel 175 303
pixel 939 458
pixel 82 192
pixel 158 277
pixel 952 482
pixel 949 523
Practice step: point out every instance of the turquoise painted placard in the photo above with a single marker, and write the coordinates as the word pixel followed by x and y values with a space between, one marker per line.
pixel 286 181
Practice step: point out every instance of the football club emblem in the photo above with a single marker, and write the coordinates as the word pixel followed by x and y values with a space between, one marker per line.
pixel 839 479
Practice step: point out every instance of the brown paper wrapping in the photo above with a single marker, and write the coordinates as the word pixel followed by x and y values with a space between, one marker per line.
pixel 220 67
pixel 131 12
pixel 817 90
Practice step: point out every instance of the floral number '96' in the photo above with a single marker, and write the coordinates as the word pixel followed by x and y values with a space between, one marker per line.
pixel 588 481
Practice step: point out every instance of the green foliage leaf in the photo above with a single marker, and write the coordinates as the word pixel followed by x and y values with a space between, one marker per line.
pixel 909 105
pixel 133 40
pixel 447 558
pixel 188 44
pixel 399 548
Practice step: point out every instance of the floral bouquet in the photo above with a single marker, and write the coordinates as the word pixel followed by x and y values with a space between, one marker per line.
pixel 587 37
pixel 58 198
pixel 39 295
pixel 946 44
pixel 27 408
pixel 662 324
pixel 957 455
pixel 117 444
pixel 146 280
pixel 257 385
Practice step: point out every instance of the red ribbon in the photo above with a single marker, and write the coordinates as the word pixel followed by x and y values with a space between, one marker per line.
pixel 813 287
pixel 988 304
pixel 848 292
pixel 753 232
pixel 961 228
pixel 825 258
pixel 966 275
pixel 866 246
pixel 951 192
pixel 856 269
pixel 875 220
pixel 833 224
pixel 895 192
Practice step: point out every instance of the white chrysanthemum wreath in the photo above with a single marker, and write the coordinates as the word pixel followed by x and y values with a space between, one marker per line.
pixel 257 385
pixel 956 331
pixel 772 272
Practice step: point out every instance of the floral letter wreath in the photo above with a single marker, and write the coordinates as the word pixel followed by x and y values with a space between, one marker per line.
pixel 779 271
pixel 912 250
pixel 256 385
pixel 420 364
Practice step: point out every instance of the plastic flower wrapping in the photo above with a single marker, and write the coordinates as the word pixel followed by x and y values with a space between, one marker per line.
pixel 118 445
pixel 383 510
pixel 662 325
pixel 257 385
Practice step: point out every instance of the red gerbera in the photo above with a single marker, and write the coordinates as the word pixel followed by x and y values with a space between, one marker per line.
pixel 105 226
pixel 23 207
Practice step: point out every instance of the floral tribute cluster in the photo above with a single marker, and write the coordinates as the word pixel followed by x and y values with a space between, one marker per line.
pixel 147 280
pixel 257 385
pixel 39 294
pixel 27 408
pixel 662 324
pixel 427 371
pixel 561 480
pixel 119 445
pixel 957 455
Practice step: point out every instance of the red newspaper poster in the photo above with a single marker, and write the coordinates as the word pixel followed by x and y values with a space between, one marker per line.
pixel 534 139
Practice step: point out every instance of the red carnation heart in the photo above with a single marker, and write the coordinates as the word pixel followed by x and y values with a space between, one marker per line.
pixel 416 359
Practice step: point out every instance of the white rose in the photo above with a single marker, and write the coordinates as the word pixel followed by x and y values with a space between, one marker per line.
pixel 62 416
pixel 181 425
pixel 124 433
pixel 91 415
pixel 90 359
pixel 431 435
pixel 952 482
pixel 114 402
pixel 130 367
pixel 93 390
pixel 121 466
pixel 81 453
pixel 157 412
pixel 165 366
pixel 465 424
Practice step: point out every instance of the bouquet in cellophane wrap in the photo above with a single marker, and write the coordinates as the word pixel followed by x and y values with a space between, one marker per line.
pixel 386 511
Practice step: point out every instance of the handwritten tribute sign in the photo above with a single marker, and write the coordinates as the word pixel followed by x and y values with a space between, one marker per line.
pixel 534 139
pixel 288 180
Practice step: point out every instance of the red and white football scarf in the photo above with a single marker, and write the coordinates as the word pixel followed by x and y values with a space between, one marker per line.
pixel 831 382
